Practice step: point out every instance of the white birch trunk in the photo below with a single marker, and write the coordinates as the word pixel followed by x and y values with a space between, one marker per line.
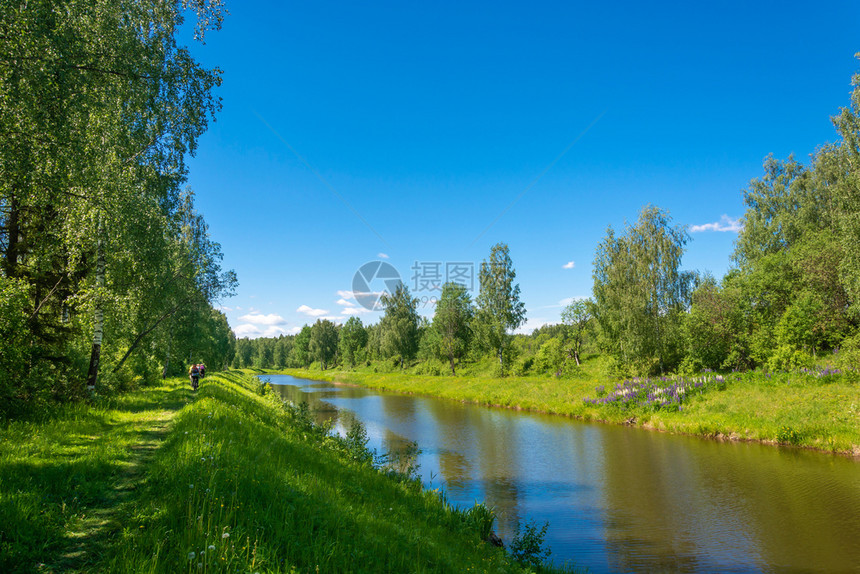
pixel 98 313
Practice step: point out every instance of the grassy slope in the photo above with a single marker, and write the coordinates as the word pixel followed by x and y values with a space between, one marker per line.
pixel 235 480
pixel 824 413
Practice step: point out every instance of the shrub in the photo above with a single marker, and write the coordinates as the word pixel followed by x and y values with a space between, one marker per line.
pixel 527 547
pixel 787 435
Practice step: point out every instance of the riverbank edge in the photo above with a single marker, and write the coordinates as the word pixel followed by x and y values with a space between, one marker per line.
pixel 388 382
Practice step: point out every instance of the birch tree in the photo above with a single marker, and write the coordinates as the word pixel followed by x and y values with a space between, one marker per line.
pixel 500 310
pixel 640 291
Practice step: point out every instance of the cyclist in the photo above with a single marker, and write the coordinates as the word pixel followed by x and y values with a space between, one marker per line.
pixel 194 375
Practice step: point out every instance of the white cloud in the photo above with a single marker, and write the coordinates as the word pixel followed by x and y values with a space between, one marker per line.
pixel 563 303
pixel 253 331
pixel 568 265
pixel 345 303
pixel 725 223
pixel 344 294
pixel 247 330
pixel 311 312
pixel 568 300
pixel 530 325
pixel 354 311
pixel 259 319
pixel 224 308
pixel 382 255
pixel 294 330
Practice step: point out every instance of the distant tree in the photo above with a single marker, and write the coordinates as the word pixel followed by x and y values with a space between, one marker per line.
pixel 640 292
pixel 577 316
pixel 244 353
pixel 375 348
pixel 452 322
pixel 400 324
pixel 323 343
pixel 353 338
pixel 283 350
pixel 264 353
pixel 300 355
pixel 500 310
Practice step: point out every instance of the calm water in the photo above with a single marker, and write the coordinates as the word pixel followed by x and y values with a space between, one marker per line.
pixel 618 498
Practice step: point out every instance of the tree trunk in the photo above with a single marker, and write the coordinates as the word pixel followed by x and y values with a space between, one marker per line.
pixel 451 358
pixel 98 314
pixel 13 238
pixel 167 358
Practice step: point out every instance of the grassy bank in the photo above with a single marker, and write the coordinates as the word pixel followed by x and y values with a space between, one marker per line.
pixel 813 410
pixel 225 480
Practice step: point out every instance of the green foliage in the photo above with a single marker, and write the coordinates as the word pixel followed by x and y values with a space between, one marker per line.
pixel 300 355
pixel 399 325
pixel 323 342
pixel 356 443
pixel 527 546
pixel 788 435
pixel 640 292
pixel 353 339
pixel 96 120
pixel 481 518
pixel 551 357
pixel 577 316
pixel 14 352
pixel 452 323
pixel 715 327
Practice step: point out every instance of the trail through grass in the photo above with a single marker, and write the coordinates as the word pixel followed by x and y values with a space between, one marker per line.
pixel 64 480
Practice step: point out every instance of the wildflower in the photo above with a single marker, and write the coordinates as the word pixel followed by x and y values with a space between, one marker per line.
pixel 192 555
pixel 190 486
pixel 225 535
pixel 211 547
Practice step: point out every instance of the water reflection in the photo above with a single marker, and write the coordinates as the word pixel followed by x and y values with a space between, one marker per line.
pixel 619 499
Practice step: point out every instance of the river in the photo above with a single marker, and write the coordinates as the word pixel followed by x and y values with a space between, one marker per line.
pixel 618 499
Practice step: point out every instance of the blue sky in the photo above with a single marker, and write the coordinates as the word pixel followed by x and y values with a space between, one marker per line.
pixel 427 133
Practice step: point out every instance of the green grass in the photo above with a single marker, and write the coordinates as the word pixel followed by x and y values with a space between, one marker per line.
pixel 61 479
pixel 785 408
pixel 224 480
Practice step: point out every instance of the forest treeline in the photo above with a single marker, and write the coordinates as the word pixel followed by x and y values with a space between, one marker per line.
pixel 107 271
pixel 790 300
